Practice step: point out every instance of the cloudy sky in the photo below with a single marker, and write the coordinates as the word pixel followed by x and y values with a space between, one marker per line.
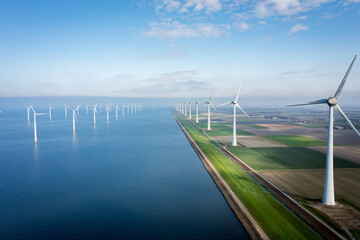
pixel 178 48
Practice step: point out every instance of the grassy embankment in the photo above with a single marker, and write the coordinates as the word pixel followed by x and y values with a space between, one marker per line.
pixel 272 216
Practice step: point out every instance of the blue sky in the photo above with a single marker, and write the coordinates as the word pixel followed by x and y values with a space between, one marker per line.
pixel 178 48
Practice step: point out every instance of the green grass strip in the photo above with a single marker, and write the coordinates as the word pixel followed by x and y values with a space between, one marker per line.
pixel 273 217
pixel 256 126
pixel 296 140
pixel 219 129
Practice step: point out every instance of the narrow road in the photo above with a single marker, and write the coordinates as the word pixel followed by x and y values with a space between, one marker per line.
pixel 319 226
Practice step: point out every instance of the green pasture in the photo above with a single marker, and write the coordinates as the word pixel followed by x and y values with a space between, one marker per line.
pixel 286 158
pixel 296 140
pixel 219 129
pixel 273 217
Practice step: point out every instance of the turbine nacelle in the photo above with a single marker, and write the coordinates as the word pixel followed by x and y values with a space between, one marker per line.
pixel 332 101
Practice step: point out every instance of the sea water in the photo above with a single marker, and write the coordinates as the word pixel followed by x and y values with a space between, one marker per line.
pixel 132 178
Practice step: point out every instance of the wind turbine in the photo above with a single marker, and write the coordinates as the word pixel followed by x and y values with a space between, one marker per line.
pixel 107 108
pixel 235 105
pixel 209 104
pixel 50 107
pixel 116 111
pixel 95 113
pixel 185 103
pixel 78 106
pixel 197 111
pixel 66 107
pixel 123 110
pixel 332 102
pixel 189 110
pixel 28 112
pixel 74 115
pixel 87 108
pixel 35 114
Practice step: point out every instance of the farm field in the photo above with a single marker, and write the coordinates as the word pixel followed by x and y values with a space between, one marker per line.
pixel 218 129
pixel 308 184
pixel 286 158
pixel 296 140
pixel 256 126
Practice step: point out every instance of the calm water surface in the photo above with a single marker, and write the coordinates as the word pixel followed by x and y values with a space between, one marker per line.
pixel 135 178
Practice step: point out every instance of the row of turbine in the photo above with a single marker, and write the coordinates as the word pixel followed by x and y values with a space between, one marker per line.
pixel 332 102
pixel 130 108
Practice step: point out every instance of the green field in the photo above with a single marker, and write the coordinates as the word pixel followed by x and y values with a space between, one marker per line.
pixel 286 158
pixel 296 140
pixel 218 129
pixel 272 216
pixel 311 125
pixel 256 126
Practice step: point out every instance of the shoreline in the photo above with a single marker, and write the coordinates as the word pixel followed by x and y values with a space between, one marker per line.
pixel 242 214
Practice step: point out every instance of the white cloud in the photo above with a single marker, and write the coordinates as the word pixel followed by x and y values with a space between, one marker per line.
pixel 185 6
pixel 176 29
pixel 242 26
pixel 302 17
pixel 268 8
pixel 298 27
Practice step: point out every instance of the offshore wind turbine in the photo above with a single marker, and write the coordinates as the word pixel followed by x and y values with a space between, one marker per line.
pixel 28 112
pixel 87 108
pixel 50 107
pixel 74 115
pixel 123 110
pixel 95 113
pixel 209 104
pixel 116 111
pixel 35 114
pixel 235 105
pixel 332 102
pixel 66 107
pixel 107 108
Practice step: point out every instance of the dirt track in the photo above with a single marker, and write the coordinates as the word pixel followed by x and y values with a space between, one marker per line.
pixel 324 230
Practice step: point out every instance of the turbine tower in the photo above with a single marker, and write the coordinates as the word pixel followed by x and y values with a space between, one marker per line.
pixel 35 114
pixel 332 102
pixel 185 104
pixel 116 111
pixel 209 104
pixel 235 105
pixel 50 107
pixel 87 108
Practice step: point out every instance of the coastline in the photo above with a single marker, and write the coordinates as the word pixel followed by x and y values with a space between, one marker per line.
pixel 242 214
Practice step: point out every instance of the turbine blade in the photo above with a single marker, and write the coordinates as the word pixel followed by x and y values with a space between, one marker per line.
pixel 211 95
pixel 339 111
pixel 223 104
pixel 320 101
pixel 38 114
pixel 213 106
pixel 338 92
pixel 238 106
pixel 237 95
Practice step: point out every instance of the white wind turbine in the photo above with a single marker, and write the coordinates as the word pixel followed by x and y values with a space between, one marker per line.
pixel 235 105
pixel 95 113
pixel 66 107
pixel 78 106
pixel 123 110
pixel 28 112
pixel 209 105
pixel 332 102
pixel 197 111
pixel 107 108
pixel 185 103
pixel 35 114
pixel 50 107
pixel 87 108
pixel 116 111
pixel 189 110
pixel 74 115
